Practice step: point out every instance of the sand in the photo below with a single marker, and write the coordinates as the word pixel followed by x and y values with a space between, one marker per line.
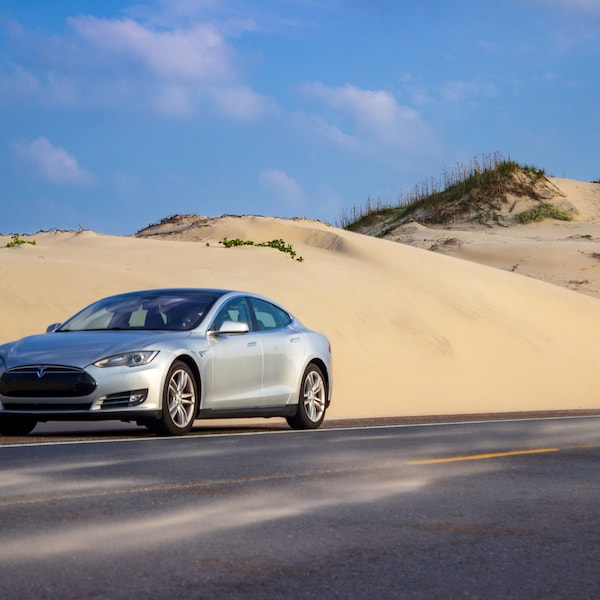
pixel 492 322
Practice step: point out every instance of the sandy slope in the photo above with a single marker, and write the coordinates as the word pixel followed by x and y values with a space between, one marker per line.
pixel 413 332
pixel 563 253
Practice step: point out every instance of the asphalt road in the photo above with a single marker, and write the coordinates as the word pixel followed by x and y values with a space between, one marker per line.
pixel 505 509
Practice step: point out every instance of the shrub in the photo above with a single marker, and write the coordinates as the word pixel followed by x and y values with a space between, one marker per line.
pixel 544 210
pixel 17 240
pixel 277 244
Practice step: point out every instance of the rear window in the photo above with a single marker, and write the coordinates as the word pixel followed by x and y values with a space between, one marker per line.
pixel 268 316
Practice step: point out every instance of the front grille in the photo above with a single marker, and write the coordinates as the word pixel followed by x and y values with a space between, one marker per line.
pixel 46 381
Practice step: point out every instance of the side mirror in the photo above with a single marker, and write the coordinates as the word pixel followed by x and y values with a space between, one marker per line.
pixel 52 328
pixel 232 328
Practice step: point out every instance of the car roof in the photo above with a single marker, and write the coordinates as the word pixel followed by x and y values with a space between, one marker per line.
pixel 176 291
pixel 214 293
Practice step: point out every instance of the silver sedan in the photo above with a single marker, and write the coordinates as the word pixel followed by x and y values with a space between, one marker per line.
pixel 163 358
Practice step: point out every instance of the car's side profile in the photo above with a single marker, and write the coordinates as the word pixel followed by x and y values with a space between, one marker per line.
pixel 164 358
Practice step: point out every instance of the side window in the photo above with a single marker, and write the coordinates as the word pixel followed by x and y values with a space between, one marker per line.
pixel 269 316
pixel 235 310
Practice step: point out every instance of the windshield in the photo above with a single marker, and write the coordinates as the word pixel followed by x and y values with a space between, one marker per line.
pixel 172 311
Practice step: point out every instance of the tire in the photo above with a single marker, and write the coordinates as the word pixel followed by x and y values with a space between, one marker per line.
pixel 179 401
pixel 312 400
pixel 16 425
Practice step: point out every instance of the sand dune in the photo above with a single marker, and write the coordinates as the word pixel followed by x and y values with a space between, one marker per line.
pixel 563 253
pixel 413 332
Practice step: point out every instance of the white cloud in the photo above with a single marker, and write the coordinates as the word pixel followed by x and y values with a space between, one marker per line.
pixel 183 69
pixel 371 119
pixel 284 186
pixel 238 103
pixel 174 101
pixel 166 61
pixel 53 163
pixel 336 135
pixel 372 108
pixel 16 81
pixel 195 54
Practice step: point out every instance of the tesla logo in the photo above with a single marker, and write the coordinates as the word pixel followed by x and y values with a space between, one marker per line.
pixel 40 372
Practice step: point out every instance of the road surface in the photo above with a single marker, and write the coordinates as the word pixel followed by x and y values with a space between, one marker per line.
pixel 491 509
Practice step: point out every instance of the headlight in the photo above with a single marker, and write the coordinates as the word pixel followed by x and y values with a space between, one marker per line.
pixel 128 359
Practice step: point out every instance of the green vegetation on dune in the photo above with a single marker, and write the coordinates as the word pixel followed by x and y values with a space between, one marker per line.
pixel 277 244
pixel 478 191
pixel 544 210
pixel 17 240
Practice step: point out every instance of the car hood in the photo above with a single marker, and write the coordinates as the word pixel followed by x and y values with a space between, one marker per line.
pixel 81 348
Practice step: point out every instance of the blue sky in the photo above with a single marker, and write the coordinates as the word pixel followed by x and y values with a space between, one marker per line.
pixel 117 114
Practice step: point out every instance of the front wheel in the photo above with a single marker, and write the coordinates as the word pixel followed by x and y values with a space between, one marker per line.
pixel 312 401
pixel 16 425
pixel 179 402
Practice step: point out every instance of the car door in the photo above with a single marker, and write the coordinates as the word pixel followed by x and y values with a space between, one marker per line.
pixel 283 353
pixel 234 362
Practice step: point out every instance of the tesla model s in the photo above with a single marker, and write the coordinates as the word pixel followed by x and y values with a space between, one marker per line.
pixel 164 358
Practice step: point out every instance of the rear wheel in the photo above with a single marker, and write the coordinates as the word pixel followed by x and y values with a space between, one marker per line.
pixel 179 402
pixel 312 401
pixel 16 425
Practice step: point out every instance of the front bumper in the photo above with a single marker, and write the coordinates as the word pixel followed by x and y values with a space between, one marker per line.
pixel 119 393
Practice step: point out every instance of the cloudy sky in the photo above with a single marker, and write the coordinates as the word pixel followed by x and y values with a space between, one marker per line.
pixel 116 114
